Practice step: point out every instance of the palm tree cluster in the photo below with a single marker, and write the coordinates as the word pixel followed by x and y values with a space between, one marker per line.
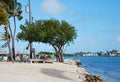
pixel 11 9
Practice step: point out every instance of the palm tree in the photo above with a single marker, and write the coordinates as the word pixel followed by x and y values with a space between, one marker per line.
pixel 4 20
pixel 14 11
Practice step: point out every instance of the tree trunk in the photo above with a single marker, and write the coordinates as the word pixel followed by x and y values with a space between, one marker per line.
pixel 13 39
pixel 9 44
pixel 13 49
pixel 58 56
pixel 62 57
pixel 8 41
pixel 30 50
pixel 9 55
pixel 14 27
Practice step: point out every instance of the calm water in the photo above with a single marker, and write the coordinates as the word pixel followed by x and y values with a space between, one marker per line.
pixel 107 67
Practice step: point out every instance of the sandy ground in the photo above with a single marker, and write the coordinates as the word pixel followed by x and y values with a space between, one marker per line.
pixel 40 72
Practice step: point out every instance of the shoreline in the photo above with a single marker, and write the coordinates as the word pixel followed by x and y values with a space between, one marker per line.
pixel 41 72
pixel 88 77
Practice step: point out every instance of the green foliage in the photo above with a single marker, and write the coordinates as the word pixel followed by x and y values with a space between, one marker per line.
pixel 29 32
pixel 56 32
pixel 3 16
pixel 15 9
pixel 3 37
pixel 48 53
pixel 5 3
pixel 66 54
pixel 9 8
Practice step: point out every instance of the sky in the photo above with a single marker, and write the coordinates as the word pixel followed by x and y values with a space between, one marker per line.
pixel 97 23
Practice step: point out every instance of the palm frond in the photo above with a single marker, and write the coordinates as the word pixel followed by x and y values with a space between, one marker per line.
pixel 3 37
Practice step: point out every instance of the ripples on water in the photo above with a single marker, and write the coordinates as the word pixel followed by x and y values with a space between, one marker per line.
pixel 107 67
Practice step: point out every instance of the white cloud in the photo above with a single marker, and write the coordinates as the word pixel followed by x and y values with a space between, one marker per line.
pixel 118 38
pixel 53 7
pixel 92 42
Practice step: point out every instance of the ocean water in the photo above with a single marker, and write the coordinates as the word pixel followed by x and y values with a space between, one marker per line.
pixel 107 67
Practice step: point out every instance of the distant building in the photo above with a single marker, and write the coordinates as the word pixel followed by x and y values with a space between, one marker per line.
pixel 118 53
pixel 90 54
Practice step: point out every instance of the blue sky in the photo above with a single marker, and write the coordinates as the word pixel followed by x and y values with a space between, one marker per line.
pixel 97 23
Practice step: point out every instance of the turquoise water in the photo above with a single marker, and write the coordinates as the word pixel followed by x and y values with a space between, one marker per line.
pixel 107 67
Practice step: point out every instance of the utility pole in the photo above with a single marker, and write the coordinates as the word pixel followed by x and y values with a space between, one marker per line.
pixel 31 53
pixel 28 10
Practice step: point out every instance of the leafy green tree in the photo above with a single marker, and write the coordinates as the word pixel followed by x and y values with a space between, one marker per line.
pixel 57 34
pixel 28 33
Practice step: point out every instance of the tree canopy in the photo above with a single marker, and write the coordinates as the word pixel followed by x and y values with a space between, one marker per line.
pixel 57 34
pixel 29 32
pixel 53 32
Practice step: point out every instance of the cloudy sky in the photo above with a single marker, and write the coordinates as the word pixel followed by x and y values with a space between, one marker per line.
pixel 97 22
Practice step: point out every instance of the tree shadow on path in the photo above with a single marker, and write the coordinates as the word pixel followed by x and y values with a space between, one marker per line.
pixel 55 73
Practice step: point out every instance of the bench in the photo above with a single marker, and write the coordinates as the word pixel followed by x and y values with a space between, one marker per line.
pixel 41 61
pixel 36 60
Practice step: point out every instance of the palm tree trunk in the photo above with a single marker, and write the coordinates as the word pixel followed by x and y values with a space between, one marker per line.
pixel 13 39
pixel 14 27
pixel 8 41
pixel 13 48
pixel 9 51
pixel 9 48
